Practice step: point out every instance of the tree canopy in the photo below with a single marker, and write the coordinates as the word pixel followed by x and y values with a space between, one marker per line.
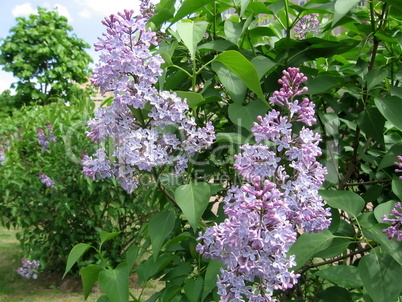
pixel 46 58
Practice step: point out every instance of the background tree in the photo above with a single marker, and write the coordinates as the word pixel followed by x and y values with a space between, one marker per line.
pixel 46 59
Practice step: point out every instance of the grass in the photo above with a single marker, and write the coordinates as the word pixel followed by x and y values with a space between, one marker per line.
pixel 47 288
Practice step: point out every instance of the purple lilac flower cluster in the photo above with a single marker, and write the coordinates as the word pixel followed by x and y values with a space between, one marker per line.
pixel 2 156
pixel 395 230
pixel 280 197
pixel 307 24
pixel 28 269
pixel 149 128
pixel 4 146
pixel 46 180
pixel 43 139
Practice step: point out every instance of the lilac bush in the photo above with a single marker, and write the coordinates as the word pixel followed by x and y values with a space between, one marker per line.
pixel 260 212
pixel 279 197
pixel 29 269
pixel 150 128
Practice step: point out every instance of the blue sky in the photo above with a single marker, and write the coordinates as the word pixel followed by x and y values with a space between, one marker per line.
pixel 84 16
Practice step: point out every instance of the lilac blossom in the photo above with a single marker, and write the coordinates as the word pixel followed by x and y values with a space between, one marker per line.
pixel 43 139
pixel 149 129
pixel 395 230
pixel 307 24
pixel 399 165
pixel 2 157
pixel 46 180
pixel 4 146
pixel 279 197
pixel 29 269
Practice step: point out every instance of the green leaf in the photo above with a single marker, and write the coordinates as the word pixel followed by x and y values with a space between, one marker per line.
pixel 392 247
pixel 342 7
pixel 372 123
pixel 213 270
pixel 105 236
pixel 103 298
pixel 150 267
pixel 233 31
pixel 193 288
pixel 347 201
pixel 243 68
pixel 191 33
pixel 193 200
pixel 75 254
pixel 342 275
pixel 89 275
pixel 381 276
pixel 131 255
pixel 216 45
pixel 375 77
pixel 307 245
pixel 262 64
pixel 321 84
pixel 259 8
pixel 384 209
pixel 114 283
pixel 232 138
pixel 193 98
pixel 337 247
pixel 397 186
pixel 189 7
pixel 246 116
pixel 390 108
pixel 181 270
pixel 243 6
pixel 334 294
pixel 159 228
pixel 391 156
pixel 234 86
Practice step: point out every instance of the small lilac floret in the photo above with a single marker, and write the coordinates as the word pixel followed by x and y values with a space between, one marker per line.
pixel 46 180
pixel 279 197
pixel 29 269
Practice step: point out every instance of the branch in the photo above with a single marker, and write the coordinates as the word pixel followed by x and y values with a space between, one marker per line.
pixel 372 182
pixel 335 259
pixel 355 160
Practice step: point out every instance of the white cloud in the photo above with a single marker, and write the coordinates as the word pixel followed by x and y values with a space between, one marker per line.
pixel 86 14
pixel 107 7
pixel 27 9
pixel 61 9
pixel 23 10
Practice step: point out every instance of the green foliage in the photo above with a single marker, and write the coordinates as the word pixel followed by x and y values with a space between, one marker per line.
pixel 48 61
pixel 6 103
